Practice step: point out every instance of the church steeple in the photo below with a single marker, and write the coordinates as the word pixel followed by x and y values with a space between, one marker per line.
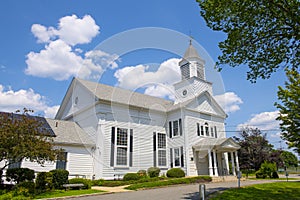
pixel 193 81
pixel 192 64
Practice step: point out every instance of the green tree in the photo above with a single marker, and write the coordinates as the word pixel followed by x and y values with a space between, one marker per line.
pixel 261 34
pixel 25 137
pixel 290 160
pixel 289 109
pixel 255 149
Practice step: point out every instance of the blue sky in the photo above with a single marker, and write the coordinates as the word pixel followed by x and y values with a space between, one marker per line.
pixel 38 38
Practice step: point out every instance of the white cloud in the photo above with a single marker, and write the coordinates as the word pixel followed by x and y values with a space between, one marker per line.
pixel 74 31
pixel 50 112
pixel 263 121
pixel 42 33
pixel 157 83
pixel 229 101
pixel 59 59
pixel 11 100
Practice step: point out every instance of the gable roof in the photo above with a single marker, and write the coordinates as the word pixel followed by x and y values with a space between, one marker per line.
pixel 68 132
pixel 190 101
pixel 222 144
pixel 127 97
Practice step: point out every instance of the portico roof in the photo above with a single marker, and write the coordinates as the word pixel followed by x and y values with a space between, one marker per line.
pixel 219 144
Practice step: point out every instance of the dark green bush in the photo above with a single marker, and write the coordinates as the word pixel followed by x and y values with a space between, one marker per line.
pixel 59 177
pixel 153 172
pixel 131 176
pixel 260 174
pixel 26 188
pixel 275 175
pixel 43 181
pixel 19 175
pixel 97 182
pixel 175 173
pixel 86 182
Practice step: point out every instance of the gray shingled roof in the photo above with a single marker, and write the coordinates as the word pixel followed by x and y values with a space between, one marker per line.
pixel 68 132
pixel 191 52
pixel 127 97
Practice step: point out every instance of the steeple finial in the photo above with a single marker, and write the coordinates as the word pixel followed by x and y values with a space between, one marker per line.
pixel 191 37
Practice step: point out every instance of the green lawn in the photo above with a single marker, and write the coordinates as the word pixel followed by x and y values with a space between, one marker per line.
pixel 268 191
pixel 62 193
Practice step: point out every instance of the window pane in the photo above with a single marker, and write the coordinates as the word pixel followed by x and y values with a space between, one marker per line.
pixel 202 130
pixel 122 136
pixel 61 162
pixel 212 131
pixel 121 156
pixel 162 159
pixel 175 128
pixel 177 157
pixel 216 134
pixel 161 140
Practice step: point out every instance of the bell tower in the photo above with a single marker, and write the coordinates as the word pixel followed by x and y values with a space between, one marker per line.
pixel 193 79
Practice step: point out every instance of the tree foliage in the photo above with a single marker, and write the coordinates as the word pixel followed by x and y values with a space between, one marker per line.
pixel 289 109
pixel 24 137
pixel 289 159
pixel 255 149
pixel 261 34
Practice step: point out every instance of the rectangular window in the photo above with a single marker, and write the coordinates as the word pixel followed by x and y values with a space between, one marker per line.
pixel 177 157
pixel 162 158
pixel 207 130
pixel 202 130
pixel 212 131
pixel 175 128
pixel 122 147
pixel 122 136
pixel 61 162
pixel 122 155
pixel 161 138
pixel 216 134
pixel 198 129
pixel 162 149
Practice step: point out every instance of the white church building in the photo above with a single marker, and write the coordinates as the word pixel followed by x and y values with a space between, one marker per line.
pixel 107 131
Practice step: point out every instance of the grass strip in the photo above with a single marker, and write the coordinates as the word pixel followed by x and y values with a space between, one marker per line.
pixel 266 191
pixel 62 193
pixel 167 182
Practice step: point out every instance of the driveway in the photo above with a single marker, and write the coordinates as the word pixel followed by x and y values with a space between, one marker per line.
pixel 178 192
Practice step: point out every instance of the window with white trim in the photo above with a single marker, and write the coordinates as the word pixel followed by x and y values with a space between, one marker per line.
pixel 212 131
pixel 175 128
pixel 61 162
pixel 122 147
pixel 177 157
pixel 206 129
pixel 161 149
pixel 216 134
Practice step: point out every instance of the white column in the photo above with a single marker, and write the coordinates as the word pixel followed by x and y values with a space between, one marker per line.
pixel 210 168
pixel 215 163
pixel 232 163
pixel 237 161
pixel 226 163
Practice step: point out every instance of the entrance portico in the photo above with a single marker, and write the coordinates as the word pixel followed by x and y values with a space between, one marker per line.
pixel 212 156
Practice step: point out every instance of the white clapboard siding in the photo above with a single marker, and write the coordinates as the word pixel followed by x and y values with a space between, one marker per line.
pixel 80 161
pixel 47 166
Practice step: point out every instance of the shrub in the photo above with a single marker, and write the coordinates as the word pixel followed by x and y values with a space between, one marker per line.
pixel 86 182
pixel 142 173
pixel 131 176
pixel 25 188
pixel 59 177
pixel 153 172
pixel 19 175
pixel 275 175
pixel 260 174
pixel 43 181
pixel 175 173
pixel 268 168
